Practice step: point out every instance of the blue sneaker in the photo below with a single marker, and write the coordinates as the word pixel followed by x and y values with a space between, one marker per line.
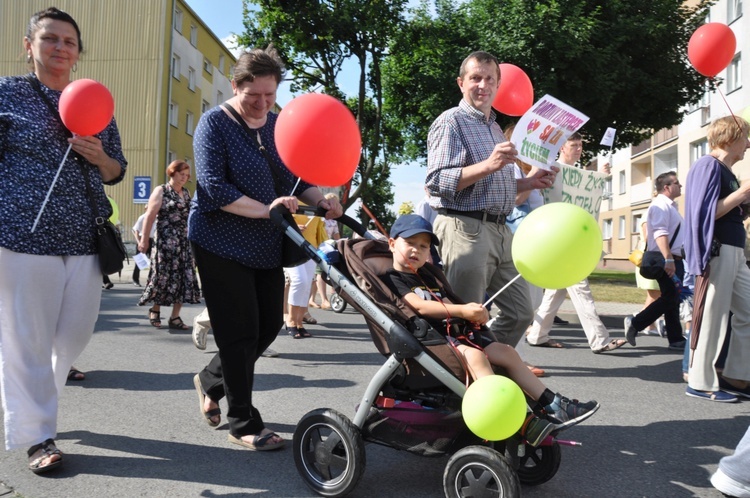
pixel 568 412
pixel 630 331
pixel 718 396
pixel 535 430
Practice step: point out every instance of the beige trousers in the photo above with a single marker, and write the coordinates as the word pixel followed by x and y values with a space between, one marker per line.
pixel 728 290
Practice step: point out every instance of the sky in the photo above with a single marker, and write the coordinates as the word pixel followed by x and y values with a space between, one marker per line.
pixel 224 17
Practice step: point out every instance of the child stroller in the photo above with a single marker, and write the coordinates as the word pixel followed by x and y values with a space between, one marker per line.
pixel 413 402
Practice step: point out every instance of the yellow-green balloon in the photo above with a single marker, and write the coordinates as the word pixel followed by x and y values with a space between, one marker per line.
pixel 557 245
pixel 494 407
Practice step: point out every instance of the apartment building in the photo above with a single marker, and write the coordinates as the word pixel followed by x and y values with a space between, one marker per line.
pixel 635 167
pixel 163 66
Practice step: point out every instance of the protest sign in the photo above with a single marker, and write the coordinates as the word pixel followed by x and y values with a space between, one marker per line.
pixel 581 187
pixel 542 131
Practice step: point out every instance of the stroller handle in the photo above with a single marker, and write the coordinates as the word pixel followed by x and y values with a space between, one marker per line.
pixel 281 216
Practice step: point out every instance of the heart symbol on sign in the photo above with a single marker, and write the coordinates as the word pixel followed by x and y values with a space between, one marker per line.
pixel 532 126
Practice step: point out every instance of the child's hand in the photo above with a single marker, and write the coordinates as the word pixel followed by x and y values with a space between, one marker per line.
pixel 476 313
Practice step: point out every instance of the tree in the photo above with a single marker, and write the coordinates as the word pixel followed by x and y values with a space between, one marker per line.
pixel 406 207
pixel 315 39
pixel 621 62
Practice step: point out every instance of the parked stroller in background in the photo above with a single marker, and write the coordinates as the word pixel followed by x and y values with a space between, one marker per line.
pixel 413 401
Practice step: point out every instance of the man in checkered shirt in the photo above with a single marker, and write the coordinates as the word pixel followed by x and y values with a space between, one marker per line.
pixel 472 190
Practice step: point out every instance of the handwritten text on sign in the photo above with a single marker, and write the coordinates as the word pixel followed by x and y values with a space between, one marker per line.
pixel 581 187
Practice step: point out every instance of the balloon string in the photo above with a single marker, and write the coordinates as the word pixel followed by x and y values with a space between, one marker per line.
pixel 730 109
pixel 295 186
pixel 504 287
pixel 49 192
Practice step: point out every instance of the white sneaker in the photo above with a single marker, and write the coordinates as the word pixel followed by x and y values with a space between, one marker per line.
pixel 200 335
pixel 729 486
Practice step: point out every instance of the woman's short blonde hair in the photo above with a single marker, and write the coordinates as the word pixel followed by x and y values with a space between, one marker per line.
pixel 725 131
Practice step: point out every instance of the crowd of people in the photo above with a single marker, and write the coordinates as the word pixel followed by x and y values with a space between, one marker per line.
pixel 473 189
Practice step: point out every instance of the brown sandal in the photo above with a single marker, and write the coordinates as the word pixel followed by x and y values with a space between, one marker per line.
pixel 177 323
pixel 154 317
pixel 44 452
pixel 613 344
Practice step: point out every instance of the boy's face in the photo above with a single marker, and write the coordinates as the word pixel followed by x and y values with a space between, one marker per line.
pixel 411 253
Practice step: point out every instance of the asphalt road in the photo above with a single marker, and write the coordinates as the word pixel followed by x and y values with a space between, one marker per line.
pixel 132 428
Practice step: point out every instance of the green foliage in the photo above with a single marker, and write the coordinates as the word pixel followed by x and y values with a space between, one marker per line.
pixel 406 207
pixel 315 38
pixel 621 62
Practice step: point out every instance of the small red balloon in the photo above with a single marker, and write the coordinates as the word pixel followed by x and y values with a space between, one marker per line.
pixel 318 139
pixel 86 107
pixel 711 48
pixel 516 93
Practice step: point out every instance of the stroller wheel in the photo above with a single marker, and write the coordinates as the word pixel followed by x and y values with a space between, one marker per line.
pixel 328 452
pixel 337 303
pixel 539 464
pixel 480 472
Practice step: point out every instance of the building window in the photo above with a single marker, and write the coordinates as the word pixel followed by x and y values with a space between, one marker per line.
pixel 219 98
pixel 204 106
pixel 221 63
pixel 191 78
pixel 607 229
pixel 698 150
pixel 621 228
pixel 189 123
pixel 174 110
pixel 734 74
pixel 734 10
pixel 623 187
pixel 171 156
pixel 231 71
pixel 193 35
pixel 177 20
pixel 176 66
pixel 207 66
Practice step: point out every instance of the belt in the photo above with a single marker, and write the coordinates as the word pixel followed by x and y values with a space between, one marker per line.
pixel 676 258
pixel 477 215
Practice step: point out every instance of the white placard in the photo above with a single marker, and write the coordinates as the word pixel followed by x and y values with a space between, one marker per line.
pixel 142 261
pixel 542 131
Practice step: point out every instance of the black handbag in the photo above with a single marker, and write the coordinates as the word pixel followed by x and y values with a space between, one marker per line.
pixel 652 264
pixel 291 254
pixel 109 244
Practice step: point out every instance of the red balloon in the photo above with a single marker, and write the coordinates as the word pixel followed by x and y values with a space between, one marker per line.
pixel 86 107
pixel 516 93
pixel 711 48
pixel 318 139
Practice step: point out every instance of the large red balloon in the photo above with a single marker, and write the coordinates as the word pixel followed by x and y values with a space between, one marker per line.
pixel 516 93
pixel 711 48
pixel 318 139
pixel 86 107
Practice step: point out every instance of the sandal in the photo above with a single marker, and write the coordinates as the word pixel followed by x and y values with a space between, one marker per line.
pixel 216 412
pixel 294 332
pixel 154 317
pixel 260 443
pixel 177 324
pixel 75 374
pixel 549 344
pixel 613 344
pixel 307 318
pixel 44 457
pixel 303 332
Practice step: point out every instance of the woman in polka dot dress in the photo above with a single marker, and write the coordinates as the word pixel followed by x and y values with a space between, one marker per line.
pixel 236 246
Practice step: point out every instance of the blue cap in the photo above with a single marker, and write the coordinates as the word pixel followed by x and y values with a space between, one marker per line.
pixel 412 224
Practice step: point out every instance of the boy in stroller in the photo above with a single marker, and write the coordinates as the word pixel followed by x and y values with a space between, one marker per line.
pixel 410 241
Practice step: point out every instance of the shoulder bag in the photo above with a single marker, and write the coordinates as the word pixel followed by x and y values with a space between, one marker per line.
pixel 109 244
pixel 291 254
pixel 653 262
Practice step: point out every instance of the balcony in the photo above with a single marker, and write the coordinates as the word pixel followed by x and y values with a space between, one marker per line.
pixel 641 192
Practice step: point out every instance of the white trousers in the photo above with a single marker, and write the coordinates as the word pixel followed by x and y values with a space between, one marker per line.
pixel 48 309
pixel 728 290
pixel 300 282
pixel 580 294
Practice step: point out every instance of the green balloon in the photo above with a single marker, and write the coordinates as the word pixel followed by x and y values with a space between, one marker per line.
pixel 494 407
pixel 557 245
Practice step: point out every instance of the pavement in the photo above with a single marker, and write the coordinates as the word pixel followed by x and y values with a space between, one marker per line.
pixel 133 428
